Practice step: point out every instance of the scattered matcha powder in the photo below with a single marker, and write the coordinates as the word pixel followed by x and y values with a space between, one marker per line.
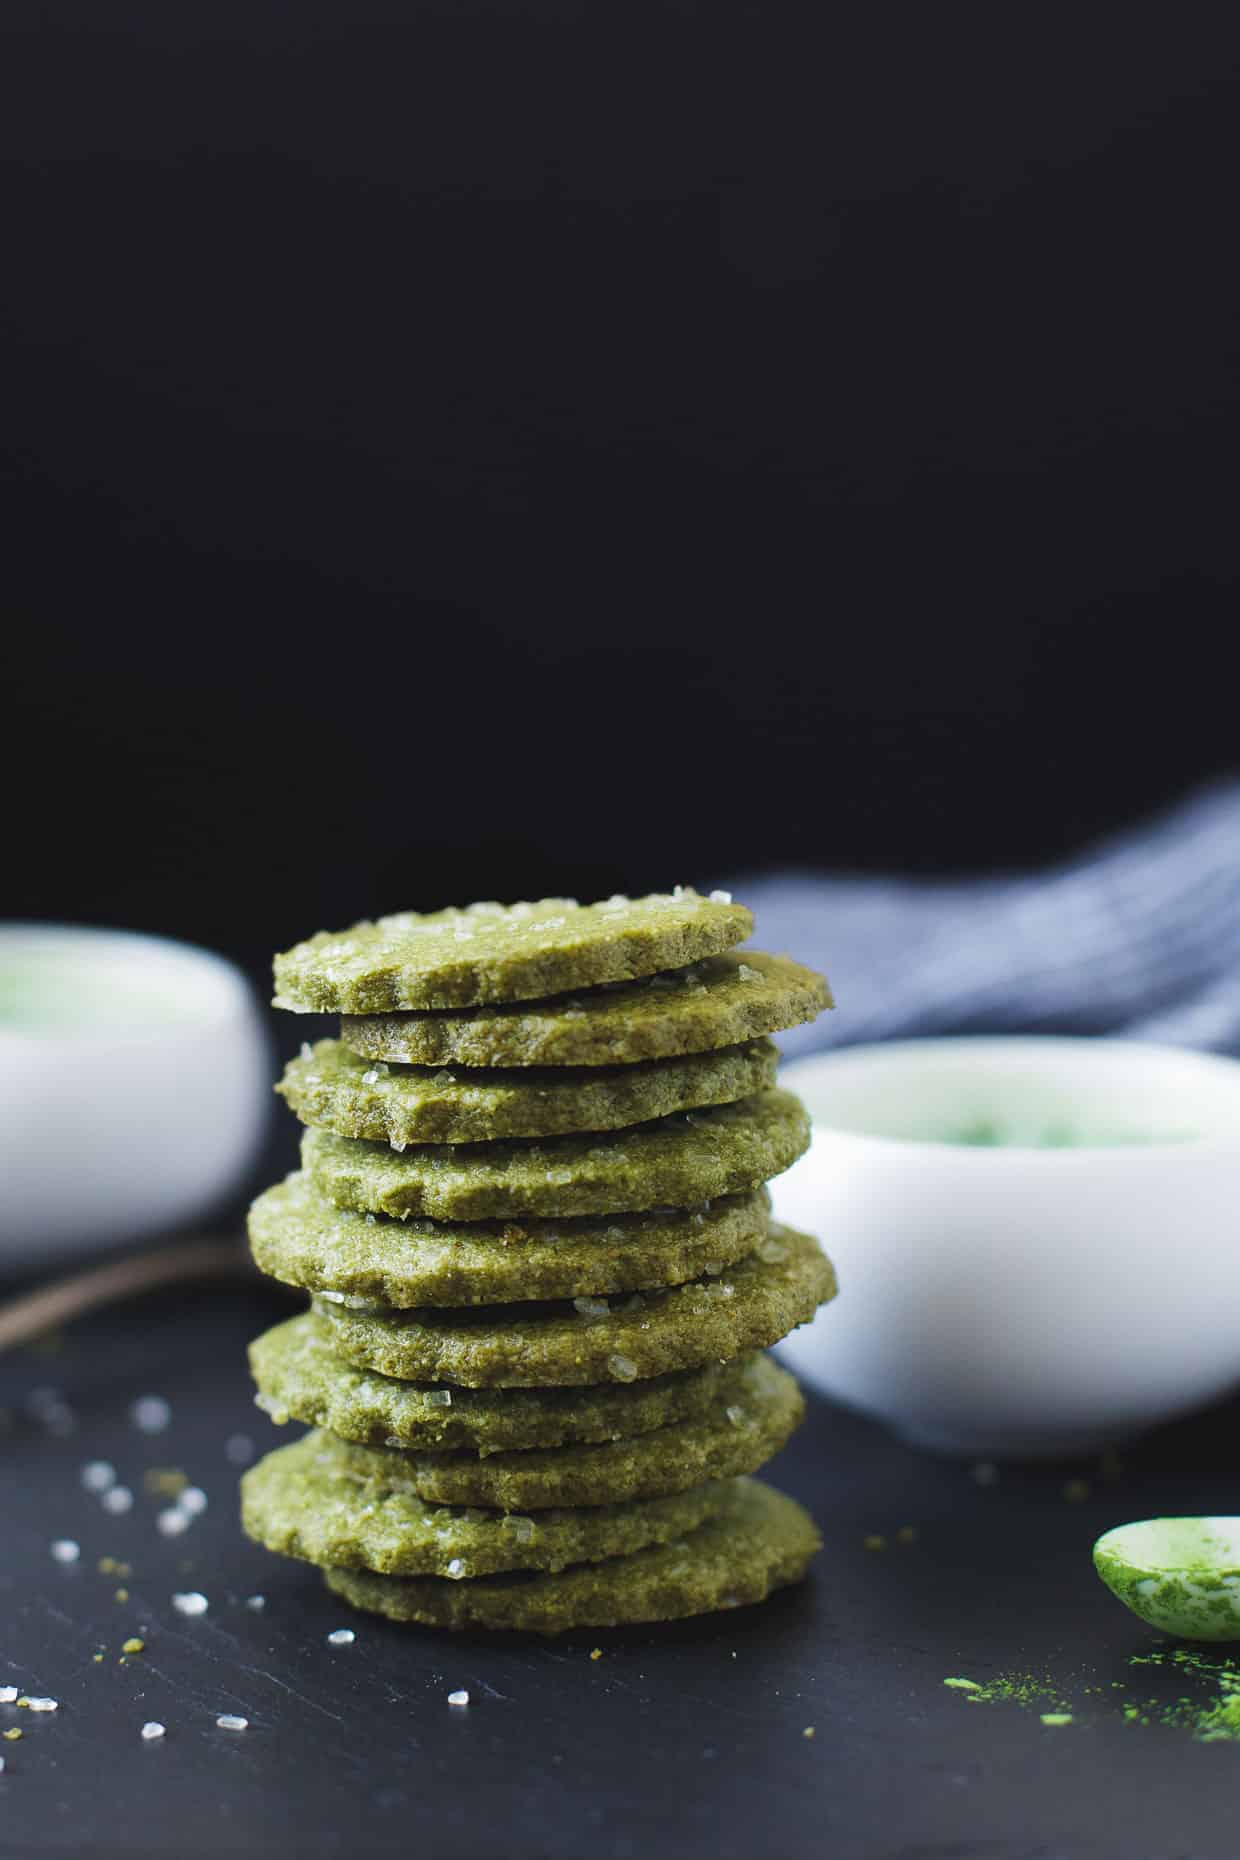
pixel 1212 1717
pixel 1014 1689
pixel 1212 1721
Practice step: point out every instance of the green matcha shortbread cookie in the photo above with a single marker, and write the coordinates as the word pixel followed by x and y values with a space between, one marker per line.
pixel 306 1500
pixel 674 1162
pixel 498 952
pixel 300 1377
pixel 300 1237
pixel 758 1541
pixel 719 1001
pixel 749 1306
pixel 762 1407
pixel 389 1103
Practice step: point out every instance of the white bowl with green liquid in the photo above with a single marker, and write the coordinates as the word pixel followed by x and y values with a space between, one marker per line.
pixel 135 1082
pixel 1037 1239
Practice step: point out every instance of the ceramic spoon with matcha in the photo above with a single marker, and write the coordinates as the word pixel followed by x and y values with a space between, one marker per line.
pixel 1182 1575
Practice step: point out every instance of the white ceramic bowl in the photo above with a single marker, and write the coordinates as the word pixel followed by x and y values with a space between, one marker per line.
pixel 1002 1294
pixel 135 1086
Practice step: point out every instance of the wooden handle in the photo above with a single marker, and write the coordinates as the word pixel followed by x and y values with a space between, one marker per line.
pixel 65 1299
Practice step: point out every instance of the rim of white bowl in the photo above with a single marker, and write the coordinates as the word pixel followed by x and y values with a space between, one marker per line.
pixel 216 988
pixel 1013 1048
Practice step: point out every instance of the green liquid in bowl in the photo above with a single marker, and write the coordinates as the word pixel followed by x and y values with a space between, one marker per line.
pixel 987 1133
pixel 49 991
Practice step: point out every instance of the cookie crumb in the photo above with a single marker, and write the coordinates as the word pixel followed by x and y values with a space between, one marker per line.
pixel 164 1481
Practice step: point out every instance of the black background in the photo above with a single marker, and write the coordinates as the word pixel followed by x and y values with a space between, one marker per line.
pixel 465 449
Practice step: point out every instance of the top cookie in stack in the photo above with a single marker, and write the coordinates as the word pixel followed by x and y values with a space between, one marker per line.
pixel 533 1110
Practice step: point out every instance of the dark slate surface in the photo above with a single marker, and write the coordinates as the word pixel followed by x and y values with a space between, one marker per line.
pixel 684 1741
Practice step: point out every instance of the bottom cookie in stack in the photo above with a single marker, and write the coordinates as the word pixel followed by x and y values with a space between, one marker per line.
pixel 755 1541
pixel 584 1463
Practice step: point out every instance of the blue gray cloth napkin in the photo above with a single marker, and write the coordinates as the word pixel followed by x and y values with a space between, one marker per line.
pixel 1139 936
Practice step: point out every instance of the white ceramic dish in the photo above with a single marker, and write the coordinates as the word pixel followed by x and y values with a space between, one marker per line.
pixel 1037 1240
pixel 135 1086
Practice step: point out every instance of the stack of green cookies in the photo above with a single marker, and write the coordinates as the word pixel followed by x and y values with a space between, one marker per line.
pixel 533 1217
